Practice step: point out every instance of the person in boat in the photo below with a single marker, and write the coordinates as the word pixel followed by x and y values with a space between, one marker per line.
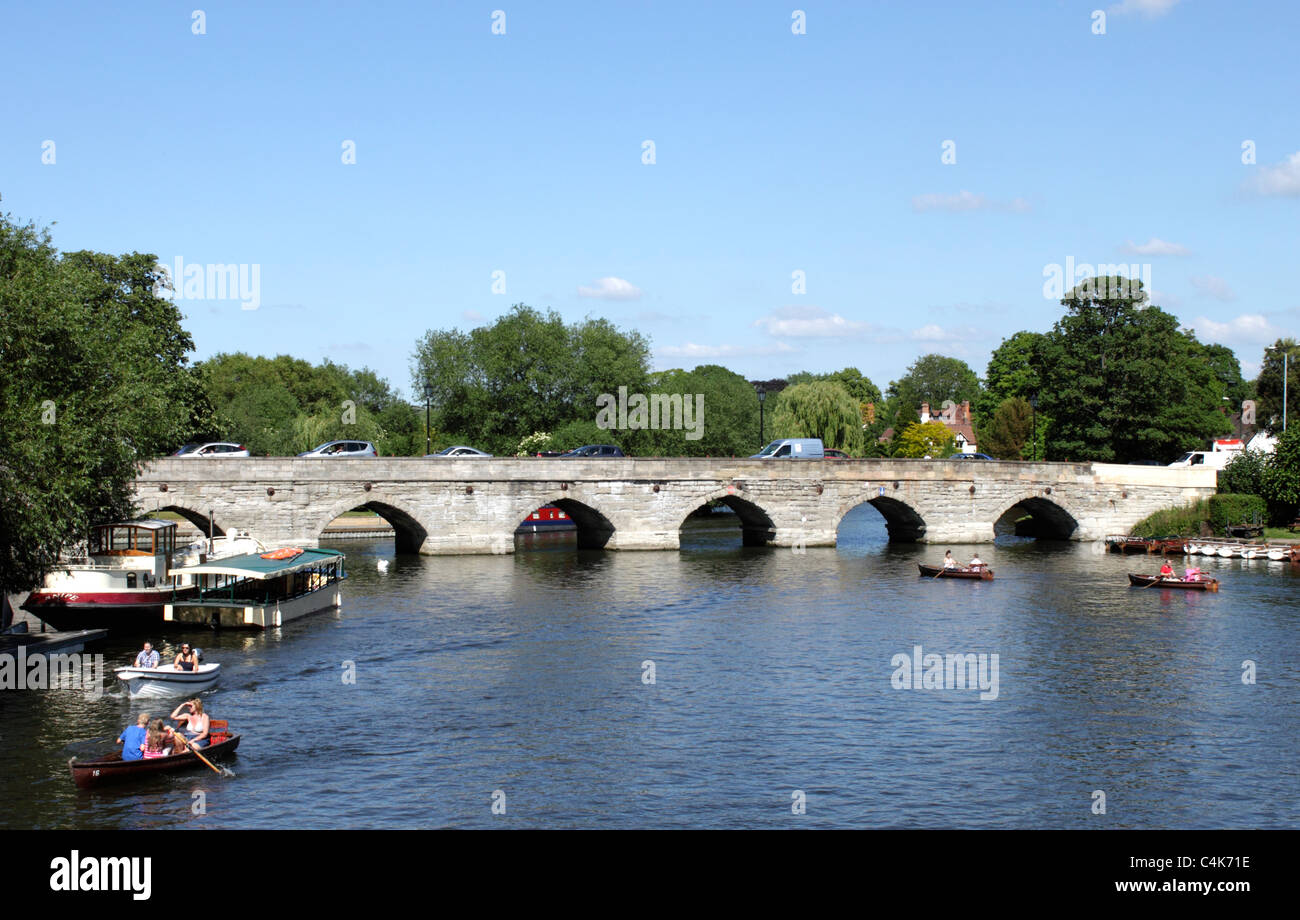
pixel 948 561
pixel 1192 573
pixel 197 724
pixel 187 660
pixel 976 563
pixel 1167 570
pixel 155 744
pixel 132 738
pixel 148 657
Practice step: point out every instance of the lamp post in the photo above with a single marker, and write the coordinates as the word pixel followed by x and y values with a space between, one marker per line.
pixel 1033 437
pixel 428 398
pixel 1286 368
pixel 762 395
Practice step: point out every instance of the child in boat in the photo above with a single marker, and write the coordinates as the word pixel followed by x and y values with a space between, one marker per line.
pixel 1192 574
pixel 154 744
pixel 133 738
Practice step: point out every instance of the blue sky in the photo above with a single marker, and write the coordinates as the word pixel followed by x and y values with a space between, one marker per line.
pixel 774 153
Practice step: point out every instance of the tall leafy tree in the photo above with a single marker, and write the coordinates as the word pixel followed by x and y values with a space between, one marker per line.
pixel 1012 374
pixel 931 379
pixel 819 409
pixel 1268 386
pixel 1122 382
pixel 1008 434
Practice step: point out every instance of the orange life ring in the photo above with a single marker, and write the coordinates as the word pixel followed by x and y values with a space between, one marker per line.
pixel 287 553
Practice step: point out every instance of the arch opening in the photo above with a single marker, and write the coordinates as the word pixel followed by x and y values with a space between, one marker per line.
pixel 902 522
pixel 198 520
pixel 1036 518
pixel 381 520
pixel 563 522
pixel 725 515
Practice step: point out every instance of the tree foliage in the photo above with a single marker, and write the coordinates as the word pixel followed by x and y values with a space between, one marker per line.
pixel 1268 386
pixel 819 409
pixel 931 439
pixel 1122 382
pixel 96 378
pixel 1007 436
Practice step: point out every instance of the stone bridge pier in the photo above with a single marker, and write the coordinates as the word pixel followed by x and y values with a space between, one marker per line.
pixel 444 506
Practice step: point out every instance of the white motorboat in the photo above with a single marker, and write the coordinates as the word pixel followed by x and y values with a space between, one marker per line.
pixel 168 680
pixel 1228 552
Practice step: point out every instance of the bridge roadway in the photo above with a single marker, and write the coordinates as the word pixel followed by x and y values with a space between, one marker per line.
pixel 473 506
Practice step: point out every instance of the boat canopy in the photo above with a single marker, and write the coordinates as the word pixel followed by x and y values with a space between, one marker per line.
pixel 253 565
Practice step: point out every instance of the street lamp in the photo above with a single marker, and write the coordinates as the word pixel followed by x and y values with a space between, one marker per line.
pixel 428 398
pixel 762 395
pixel 1033 404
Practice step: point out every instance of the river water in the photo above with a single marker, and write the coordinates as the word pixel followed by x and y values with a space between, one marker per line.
pixel 524 682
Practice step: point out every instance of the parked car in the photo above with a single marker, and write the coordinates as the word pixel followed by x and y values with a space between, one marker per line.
pixel 550 453
pixel 595 450
pixel 792 449
pixel 212 449
pixel 460 450
pixel 342 449
pixel 834 454
pixel 970 457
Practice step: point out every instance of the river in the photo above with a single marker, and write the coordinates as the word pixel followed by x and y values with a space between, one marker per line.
pixel 718 687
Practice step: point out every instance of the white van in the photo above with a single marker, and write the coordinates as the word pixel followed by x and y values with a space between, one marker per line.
pixel 792 449
pixel 1213 459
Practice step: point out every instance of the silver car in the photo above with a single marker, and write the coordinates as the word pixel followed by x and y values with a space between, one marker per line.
pixel 342 449
pixel 460 450
pixel 212 449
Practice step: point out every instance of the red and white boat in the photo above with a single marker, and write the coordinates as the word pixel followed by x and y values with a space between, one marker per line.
pixel 126 575
pixel 546 518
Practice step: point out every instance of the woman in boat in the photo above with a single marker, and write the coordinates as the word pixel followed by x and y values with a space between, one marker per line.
pixel 1166 570
pixel 948 561
pixel 187 660
pixel 197 723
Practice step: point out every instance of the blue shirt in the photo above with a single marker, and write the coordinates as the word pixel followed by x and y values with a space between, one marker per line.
pixel 147 659
pixel 131 740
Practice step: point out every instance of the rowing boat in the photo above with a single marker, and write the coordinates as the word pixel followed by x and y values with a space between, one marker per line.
pixel 168 680
pixel 935 571
pixel 112 768
pixel 1144 581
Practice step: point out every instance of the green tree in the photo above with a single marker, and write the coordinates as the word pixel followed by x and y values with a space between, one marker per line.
pixel 933 379
pixel 819 409
pixel 1012 374
pixel 1122 382
pixel 96 378
pixel 1009 432
pixel 1280 482
pixel 931 439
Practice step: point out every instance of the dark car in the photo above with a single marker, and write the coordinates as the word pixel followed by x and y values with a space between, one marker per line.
pixel 970 457
pixel 832 453
pixel 595 450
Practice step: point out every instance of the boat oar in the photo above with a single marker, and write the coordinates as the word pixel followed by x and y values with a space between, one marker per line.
pixel 194 749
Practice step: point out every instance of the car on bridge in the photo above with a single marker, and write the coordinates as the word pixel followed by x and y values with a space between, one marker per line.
pixel 832 453
pixel 212 449
pixel 970 457
pixel 460 450
pixel 342 449
pixel 595 450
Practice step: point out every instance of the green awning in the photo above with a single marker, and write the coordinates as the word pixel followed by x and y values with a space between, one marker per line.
pixel 252 565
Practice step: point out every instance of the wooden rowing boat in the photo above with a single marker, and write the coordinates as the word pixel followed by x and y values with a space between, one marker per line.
pixel 1144 581
pixel 936 571
pixel 94 773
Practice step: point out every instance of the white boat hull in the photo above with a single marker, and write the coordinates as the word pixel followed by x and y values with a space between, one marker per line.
pixel 167 680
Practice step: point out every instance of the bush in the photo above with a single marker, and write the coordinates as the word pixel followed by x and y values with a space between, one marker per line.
pixel 1244 474
pixel 1183 521
pixel 1236 509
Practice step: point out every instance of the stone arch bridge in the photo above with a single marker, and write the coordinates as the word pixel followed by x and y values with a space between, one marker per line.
pixel 449 506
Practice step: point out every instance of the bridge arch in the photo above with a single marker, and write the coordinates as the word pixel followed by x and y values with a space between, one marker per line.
pixel 902 521
pixel 197 518
pixel 1051 519
pixel 594 529
pixel 408 530
pixel 756 525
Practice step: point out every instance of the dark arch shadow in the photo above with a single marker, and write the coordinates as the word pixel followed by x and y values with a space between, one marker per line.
pixel 591 529
pixel 200 521
pixel 756 527
pixel 902 522
pixel 1048 520
pixel 408 533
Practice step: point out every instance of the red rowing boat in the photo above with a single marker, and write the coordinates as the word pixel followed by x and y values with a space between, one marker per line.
pixel 934 571
pixel 1147 581
pixel 113 768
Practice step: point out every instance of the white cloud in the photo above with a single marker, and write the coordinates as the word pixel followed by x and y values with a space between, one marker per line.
pixel 1215 287
pixel 611 289
pixel 1282 180
pixel 1246 329
pixel 471 316
pixel 1148 8
pixel 966 201
pixel 933 332
pixel 1155 247
pixel 694 350
pixel 811 323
